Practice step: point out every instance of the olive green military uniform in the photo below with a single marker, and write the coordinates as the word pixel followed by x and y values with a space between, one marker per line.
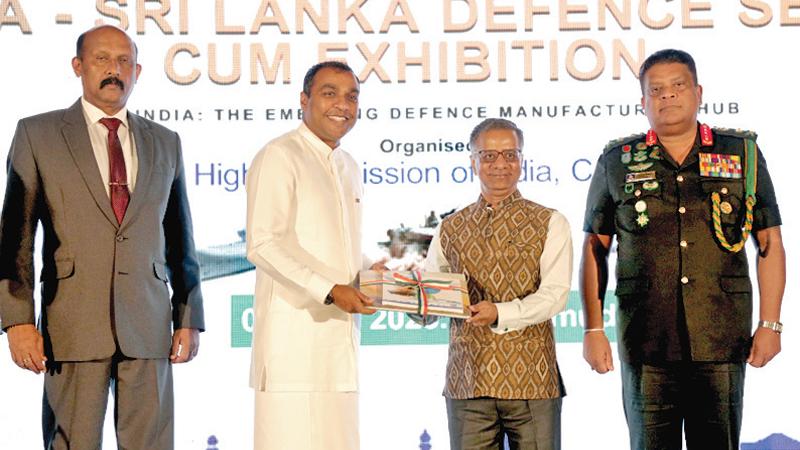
pixel 683 297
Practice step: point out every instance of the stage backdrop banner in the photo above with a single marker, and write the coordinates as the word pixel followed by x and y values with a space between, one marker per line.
pixel 227 75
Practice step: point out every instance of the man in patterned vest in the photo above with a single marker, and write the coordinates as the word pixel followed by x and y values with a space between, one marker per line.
pixel 502 375
pixel 682 200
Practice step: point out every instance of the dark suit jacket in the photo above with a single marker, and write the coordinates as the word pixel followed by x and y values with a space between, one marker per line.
pixel 98 278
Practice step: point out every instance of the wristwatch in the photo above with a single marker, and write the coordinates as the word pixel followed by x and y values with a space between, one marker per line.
pixel 774 326
pixel 329 298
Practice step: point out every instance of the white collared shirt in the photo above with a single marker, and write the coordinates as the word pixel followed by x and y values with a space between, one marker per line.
pixel 98 135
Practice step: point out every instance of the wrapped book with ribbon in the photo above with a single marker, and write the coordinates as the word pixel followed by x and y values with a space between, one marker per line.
pixel 417 292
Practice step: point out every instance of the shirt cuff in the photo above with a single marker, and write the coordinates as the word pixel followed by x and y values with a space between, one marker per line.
pixel 507 317
pixel 319 287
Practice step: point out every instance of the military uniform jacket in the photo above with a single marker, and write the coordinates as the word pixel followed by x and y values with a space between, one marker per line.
pixel 682 296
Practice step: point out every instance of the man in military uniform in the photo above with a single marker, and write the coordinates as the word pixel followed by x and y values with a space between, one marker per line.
pixel 682 200
pixel 502 375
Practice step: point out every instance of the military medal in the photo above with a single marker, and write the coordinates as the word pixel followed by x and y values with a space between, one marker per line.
pixel 641 207
pixel 725 207
pixel 640 156
pixel 650 185
pixel 642 166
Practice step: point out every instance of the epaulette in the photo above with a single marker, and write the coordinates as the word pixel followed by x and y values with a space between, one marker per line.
pixel 622 141
pixel 738 132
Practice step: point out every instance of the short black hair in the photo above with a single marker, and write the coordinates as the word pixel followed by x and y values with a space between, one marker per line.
pixel 668 55
pixel 494 124
pixel 312 72
pixel 82 37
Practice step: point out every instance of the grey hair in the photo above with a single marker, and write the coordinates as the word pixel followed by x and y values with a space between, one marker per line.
pixel 494 124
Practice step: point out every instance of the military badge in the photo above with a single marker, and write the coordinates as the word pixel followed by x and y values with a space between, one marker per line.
pixel 628 188
pixel 626 149
pixel 625 158
pixel 656 153
pixel 640 156
pixel 640 176
pixel 650 185
pixel 641 146
pixel 642 166
pixel 720 165
pixel 725 207
pixel 706 136
pixel 651 137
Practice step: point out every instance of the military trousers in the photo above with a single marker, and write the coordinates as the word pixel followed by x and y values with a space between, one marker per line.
pixel 702 399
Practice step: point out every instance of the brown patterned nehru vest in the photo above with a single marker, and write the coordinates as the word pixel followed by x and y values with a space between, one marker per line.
pixel 498 249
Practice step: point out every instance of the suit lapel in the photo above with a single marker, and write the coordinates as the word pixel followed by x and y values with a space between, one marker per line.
pixel 143 138
pixel 77 138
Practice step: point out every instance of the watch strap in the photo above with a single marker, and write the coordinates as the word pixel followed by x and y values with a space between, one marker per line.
pixel 774 326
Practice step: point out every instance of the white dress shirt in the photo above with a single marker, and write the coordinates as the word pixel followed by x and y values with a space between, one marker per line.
pixel 98 135
pixel 555 269
pixel 303 236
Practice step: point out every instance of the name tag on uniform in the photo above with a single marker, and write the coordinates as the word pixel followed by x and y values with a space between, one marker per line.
pixel 636 177
pixel 720 165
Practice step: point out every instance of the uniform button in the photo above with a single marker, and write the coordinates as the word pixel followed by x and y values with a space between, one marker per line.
pixel 680 178
pixel 685 280
pixel 120 238
pixel 682 210
pixel 684 244
pixel 724 190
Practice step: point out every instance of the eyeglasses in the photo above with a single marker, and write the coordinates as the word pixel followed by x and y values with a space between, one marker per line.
pixel 490 156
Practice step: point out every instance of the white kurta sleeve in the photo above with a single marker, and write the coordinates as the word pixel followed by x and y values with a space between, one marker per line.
pixel 270 203
pixel 555 268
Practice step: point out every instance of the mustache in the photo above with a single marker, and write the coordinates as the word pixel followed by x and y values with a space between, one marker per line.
pixel 112 80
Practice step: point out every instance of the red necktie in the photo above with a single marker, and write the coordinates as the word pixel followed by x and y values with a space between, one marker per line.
pixel 117 177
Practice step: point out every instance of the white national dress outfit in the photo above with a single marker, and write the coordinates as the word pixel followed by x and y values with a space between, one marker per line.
pixel 304 236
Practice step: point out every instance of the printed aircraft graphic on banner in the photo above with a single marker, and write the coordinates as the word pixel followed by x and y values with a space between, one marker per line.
pixel 224 260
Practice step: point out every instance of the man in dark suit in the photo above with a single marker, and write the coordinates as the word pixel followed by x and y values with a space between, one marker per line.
pixel 107 188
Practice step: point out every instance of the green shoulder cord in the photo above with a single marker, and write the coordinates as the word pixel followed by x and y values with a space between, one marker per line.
pixel 751 173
